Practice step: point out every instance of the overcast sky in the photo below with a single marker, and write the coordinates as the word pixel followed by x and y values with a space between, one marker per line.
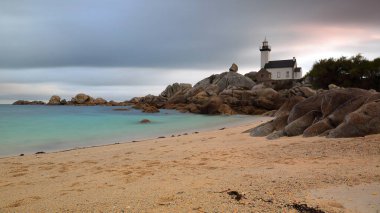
pixel 118 49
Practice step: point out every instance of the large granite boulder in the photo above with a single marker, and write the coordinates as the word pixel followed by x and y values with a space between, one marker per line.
pixel 234 68
pixel 267 98
pixel 288 105
pixel 343 112
pixel 54 100
pixel 265 129
pixel 318 128
pixel 364 121
pixel 80 98
pixel 298 126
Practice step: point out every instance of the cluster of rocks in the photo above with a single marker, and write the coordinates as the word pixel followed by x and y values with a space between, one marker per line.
pixel 225 93
pixel 80 99
pixel 23 102
pixel 298 110
pixel 334 113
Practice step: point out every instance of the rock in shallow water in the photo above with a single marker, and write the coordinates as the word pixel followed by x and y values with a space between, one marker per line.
pixel 54 100
pixel 145 121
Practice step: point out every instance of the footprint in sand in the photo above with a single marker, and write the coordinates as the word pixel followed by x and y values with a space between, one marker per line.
pixel 24 201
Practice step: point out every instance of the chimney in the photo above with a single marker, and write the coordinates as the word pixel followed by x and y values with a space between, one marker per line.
pixel 294 58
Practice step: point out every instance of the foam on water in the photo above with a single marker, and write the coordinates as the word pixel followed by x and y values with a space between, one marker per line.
pixel 28 129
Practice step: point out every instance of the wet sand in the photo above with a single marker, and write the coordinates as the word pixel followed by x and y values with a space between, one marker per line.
pixel 198 172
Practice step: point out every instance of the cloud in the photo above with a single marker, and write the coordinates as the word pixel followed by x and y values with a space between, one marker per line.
pixel 98 44
pixel 169 34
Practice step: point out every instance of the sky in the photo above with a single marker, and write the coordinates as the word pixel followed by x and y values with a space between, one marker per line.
pixel 118 49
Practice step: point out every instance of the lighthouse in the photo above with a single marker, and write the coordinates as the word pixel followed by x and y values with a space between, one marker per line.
pixel 264 49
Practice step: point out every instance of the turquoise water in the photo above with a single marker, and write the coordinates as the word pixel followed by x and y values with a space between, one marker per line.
pixel 29 129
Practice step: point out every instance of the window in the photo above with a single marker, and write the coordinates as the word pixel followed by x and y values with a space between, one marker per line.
pixel 278 74
pixel 287 74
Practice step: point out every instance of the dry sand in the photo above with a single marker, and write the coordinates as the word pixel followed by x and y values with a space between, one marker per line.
pixel 195 172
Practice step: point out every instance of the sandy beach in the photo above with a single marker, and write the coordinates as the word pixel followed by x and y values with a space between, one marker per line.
pixel 199 172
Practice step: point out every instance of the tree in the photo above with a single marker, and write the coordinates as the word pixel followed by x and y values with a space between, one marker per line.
pixel 356 71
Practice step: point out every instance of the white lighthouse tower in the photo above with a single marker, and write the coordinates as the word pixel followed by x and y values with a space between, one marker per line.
pixel 264 49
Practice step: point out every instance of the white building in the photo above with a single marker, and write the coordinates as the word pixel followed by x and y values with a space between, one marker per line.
pixel 280 69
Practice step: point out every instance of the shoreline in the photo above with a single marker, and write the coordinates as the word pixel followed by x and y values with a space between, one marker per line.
pixel 195 173
pixel 253 119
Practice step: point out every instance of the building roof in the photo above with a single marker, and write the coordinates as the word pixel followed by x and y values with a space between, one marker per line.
pixel 280 64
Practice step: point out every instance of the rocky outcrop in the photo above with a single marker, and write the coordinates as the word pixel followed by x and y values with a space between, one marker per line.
pixel 175 89
pixel 54 100
pixel 219 82
pixel 23 102
pixel 146 108
pixel 100 101
pixel 80 98
pixel 343 112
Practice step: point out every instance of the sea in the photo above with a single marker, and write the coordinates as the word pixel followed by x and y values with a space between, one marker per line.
pixel 27 129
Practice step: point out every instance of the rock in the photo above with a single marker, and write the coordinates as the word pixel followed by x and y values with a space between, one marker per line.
pixel 344 109
pixel 234 68
pixel 120 109
pixel 226 110
pixel 63 102
pixel 298 126
pixel 364 121
pixel 258 87
pixel 276 134
pixel 174 89
pixel 80 98
pixel 99 101
pixel 146 108
pixel 135 100
pixel 267 98
pixel 249 110
pixel 288 105
pixel 145 121
pixel 212 106
pixel 333 99
pixel 220 82
pixel 54 100
pixel 193 108
pixel 267 128
pixel 23 102
pixel 252 75
pixel 326 102
pixel 266 92
pixel 269 113
pixel 301 91
pixel 200 98
pixel 333 86
pixel 344 112
pixel 115 103
pixel 318 128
